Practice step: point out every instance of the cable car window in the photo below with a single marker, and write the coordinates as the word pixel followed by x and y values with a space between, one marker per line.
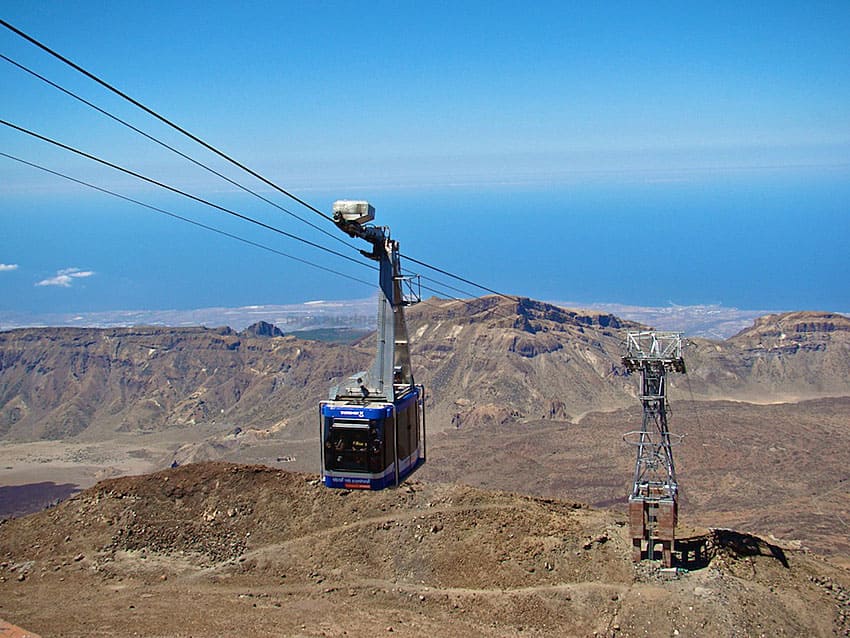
pixel 350 423
pixel 355 445
pixel 404 447
pixel 347 448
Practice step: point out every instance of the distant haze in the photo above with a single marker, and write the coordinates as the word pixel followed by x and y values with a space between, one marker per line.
pixel 711 321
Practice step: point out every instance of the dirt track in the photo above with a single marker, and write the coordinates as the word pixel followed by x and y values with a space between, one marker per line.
pixel 220 549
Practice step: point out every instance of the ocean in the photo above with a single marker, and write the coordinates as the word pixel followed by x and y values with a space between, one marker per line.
pixel 753 239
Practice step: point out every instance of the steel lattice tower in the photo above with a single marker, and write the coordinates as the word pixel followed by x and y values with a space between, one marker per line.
pixel 653 503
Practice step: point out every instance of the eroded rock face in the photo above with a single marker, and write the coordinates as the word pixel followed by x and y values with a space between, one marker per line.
pixel 794 325
pixel 518 355
pixel 59 382
pixel 787 356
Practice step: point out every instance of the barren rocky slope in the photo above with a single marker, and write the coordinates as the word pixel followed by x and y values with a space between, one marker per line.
pixel 787 357
pixel 496 361
pixel 219 549
pixel 489 360
pixel 57 383
pixel 777 469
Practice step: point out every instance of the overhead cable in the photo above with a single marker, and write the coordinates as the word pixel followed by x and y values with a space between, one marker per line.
pixel 215 150
pixel 154 139
pixel 180 192
pixel 445 285
pixel 161 118
pixel 459 278
pixel 205 226
pixel 186 219
pixel 172 149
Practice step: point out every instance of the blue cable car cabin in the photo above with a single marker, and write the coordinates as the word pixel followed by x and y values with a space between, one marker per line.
pixel 372 428
pixel 372 445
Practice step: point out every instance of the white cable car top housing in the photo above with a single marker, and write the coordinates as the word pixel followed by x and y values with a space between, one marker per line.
pixel 359 212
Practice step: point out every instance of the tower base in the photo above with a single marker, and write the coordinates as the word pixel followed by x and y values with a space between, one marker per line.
pixel 652 524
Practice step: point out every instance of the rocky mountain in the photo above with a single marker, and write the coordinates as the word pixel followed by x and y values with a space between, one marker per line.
pixel 488 360
pixel 261 329
pixel 57 383
pixel 493 360
pixel 497 361
pixel 222 549
pixel 786 357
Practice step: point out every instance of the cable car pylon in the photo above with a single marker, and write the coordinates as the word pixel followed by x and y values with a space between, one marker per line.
pixel 372 428
pixel 654 501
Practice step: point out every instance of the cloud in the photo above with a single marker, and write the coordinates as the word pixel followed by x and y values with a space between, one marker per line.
pixel 65 277
pixel 8 267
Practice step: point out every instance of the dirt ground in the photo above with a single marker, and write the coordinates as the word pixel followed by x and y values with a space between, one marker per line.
pixel 222 549
pixel 767 469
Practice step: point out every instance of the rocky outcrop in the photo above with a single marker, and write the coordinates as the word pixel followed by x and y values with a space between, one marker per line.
pixel 262 329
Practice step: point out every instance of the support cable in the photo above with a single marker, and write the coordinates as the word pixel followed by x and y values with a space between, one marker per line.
pixel 218 231
pixel 444 285
pixel 223 233
pixel 213 149
pixel 185 219
pixel 205 226
pixel 180 192
pixel 459 278
pixel 442 293
pixel 161 118
pixel 173 150
pixel 196 162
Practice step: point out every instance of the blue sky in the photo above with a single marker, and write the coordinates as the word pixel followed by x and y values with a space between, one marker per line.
pixel 620 152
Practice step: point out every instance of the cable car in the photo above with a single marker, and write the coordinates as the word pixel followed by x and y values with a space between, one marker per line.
pixel 372 428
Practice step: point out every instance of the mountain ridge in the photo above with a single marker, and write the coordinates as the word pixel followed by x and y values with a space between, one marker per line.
pixel 713 321
pixel 490 359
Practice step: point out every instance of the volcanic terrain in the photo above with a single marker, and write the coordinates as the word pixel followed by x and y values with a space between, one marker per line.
pixel 522 397
pixel 222 549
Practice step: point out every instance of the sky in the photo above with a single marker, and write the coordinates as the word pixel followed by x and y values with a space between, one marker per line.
pixel 635 153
